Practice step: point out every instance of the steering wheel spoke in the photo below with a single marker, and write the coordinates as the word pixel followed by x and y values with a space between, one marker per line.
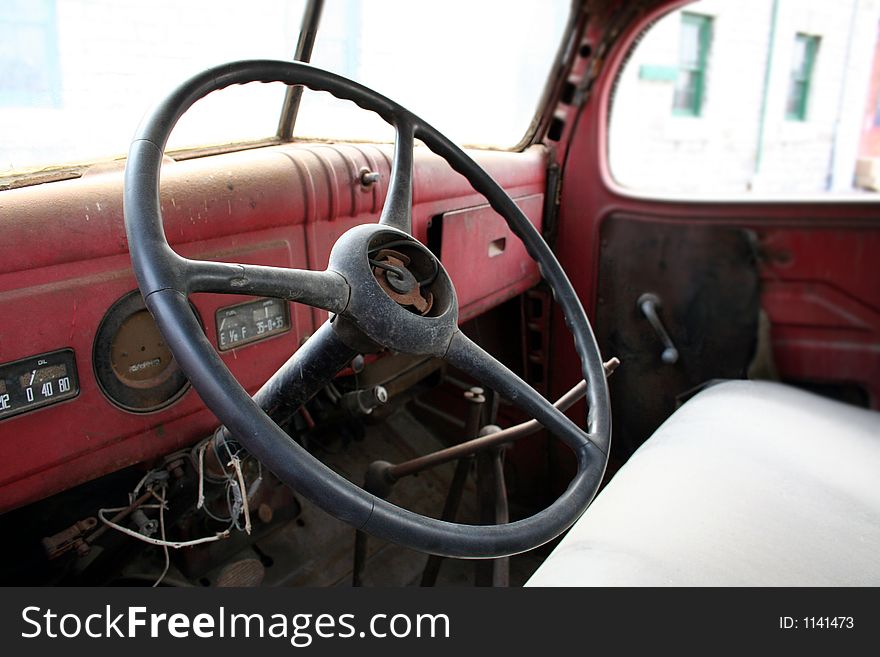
pixel 311 367
pixel 397 211
pixel 469 357
pixel 327 290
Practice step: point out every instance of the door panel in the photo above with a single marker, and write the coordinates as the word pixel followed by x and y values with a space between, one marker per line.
pixel 705 280
pixel 821 292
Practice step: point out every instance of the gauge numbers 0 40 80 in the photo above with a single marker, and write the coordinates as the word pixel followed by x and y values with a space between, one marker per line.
pixel 38 381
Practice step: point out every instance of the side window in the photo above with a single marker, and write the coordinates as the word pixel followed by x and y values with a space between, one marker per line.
pixel 751 97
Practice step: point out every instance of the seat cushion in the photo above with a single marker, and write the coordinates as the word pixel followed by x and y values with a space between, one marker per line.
pixel 747 484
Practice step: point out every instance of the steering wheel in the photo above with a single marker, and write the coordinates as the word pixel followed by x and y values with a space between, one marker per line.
pixel 377 286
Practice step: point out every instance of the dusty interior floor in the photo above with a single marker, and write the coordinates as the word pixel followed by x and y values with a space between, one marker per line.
pixel 315 549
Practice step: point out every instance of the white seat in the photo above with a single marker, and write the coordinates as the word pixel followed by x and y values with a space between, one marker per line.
pixel 748 484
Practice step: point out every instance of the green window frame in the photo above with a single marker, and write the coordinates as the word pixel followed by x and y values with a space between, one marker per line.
pixel 690 84
pixel 803 61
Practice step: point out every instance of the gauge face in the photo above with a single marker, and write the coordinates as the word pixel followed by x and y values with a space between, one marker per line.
pixel 133 365
pixel 38 381
pixel 248 322
pixel 138 353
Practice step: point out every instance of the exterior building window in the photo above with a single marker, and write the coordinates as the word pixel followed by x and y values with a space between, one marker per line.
pixel 693 52
pixel 805 48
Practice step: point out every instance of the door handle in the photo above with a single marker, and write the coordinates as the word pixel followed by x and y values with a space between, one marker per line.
pixel 649 304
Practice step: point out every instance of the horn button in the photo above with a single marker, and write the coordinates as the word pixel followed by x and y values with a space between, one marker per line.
pixel 401 297
pixel 391 270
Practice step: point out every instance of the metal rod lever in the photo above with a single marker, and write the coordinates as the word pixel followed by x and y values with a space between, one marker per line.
pixel 394 472
pixel 492 491
pixel 475 399
pixel 648 304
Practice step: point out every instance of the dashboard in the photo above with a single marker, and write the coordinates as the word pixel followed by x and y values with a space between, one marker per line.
pixel 87 385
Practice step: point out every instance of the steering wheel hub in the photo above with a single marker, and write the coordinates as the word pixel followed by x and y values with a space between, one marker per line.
pixel 420 320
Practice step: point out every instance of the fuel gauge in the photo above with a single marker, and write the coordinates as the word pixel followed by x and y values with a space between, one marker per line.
pixel 248 322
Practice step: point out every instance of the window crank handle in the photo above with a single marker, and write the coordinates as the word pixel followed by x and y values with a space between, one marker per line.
pixel 648 304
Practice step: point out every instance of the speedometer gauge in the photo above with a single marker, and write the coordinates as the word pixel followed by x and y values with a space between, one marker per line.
pixel 133 365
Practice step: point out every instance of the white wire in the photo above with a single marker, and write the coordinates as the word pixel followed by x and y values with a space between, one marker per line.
pixel 201 501
pixel 236 463
pixel 162 542
pixel 156 541
pixel 137 489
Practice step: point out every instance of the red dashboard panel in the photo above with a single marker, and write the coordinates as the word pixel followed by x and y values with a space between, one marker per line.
pixel 64 262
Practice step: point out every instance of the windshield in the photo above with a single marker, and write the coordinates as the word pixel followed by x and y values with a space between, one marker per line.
pixel 77 75
pixel 474 70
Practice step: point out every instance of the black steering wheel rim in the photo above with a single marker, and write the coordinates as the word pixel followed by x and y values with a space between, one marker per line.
pixel 166 279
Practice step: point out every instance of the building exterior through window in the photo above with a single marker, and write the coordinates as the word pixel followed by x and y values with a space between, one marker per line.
pixel 805 48
pixel 739 97
pixel 694 43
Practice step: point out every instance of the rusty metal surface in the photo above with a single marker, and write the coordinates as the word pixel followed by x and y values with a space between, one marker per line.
pixel 413 295
pixel 474 445
pixel 72 538
pixel 316 550
pixel 273 502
